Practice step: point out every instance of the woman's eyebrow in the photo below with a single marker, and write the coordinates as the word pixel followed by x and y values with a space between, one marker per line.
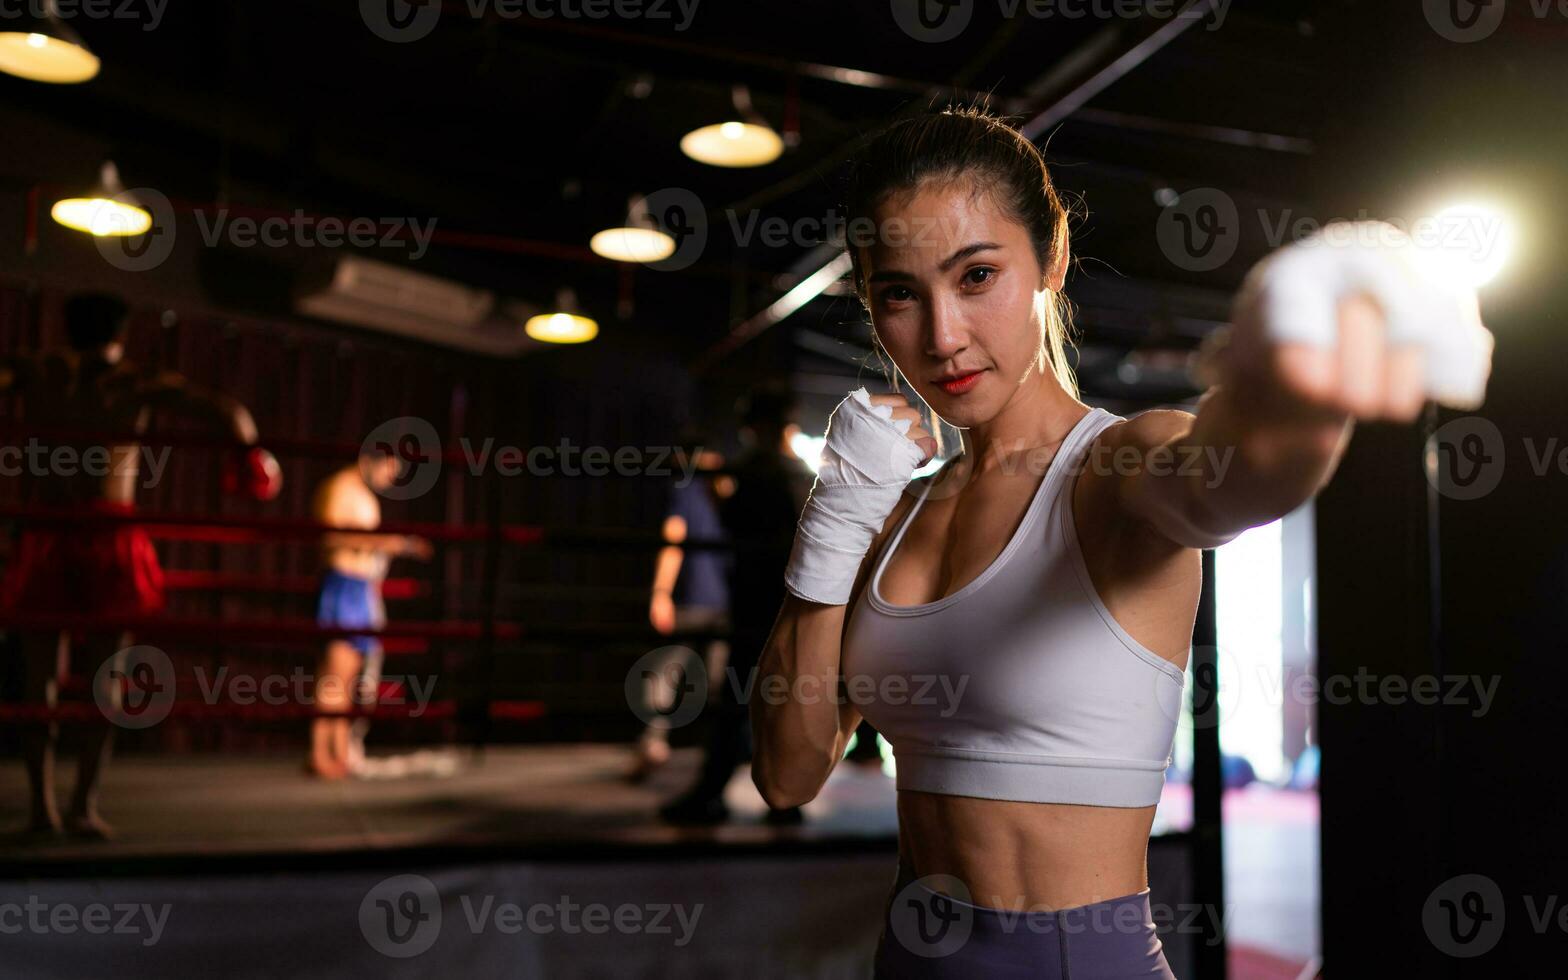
pixel 965 252
pixel 895 275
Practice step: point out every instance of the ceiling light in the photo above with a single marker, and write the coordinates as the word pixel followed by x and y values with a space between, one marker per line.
pixel 564 325
pixel 747 141
pixel 105 210
pixel 40 47
pixel 639 240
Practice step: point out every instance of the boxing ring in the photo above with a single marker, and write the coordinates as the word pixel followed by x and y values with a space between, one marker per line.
pixel 429 872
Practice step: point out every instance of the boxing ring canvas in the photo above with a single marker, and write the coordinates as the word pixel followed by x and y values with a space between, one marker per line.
pixel 536 862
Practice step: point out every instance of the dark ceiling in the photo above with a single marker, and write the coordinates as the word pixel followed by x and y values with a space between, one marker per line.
pixel 522 135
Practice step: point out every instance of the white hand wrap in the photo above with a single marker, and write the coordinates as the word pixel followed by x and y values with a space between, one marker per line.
pixel 866 463
pixel 1295 294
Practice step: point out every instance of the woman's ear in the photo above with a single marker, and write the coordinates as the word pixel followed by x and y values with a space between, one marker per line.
pixel 1056 275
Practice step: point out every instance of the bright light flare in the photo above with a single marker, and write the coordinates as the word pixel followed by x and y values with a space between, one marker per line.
pixel 1468 243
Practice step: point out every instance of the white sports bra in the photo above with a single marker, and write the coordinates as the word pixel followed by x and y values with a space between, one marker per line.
pixel 1020 685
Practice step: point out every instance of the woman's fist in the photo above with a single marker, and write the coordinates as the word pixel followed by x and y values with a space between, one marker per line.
pixel 917 433
pixel 1350 322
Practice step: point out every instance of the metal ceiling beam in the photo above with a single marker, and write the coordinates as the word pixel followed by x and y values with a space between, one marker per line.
pixel 1107 56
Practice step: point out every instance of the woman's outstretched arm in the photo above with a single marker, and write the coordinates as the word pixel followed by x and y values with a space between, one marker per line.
pixel 1270 433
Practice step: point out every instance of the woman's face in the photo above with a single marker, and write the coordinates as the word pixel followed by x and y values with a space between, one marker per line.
pixel 956 297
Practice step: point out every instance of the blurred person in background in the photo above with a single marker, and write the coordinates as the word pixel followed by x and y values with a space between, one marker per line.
pixel 690 588
pixel 771 486
pixel 353 568
pixel 99 568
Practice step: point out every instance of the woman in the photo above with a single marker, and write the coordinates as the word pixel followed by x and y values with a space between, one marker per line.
pixel 1018 624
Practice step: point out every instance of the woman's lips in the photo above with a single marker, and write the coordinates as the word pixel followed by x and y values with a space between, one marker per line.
pixel 959 383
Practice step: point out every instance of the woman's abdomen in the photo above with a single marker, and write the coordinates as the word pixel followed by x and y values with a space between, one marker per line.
pixel 1013 855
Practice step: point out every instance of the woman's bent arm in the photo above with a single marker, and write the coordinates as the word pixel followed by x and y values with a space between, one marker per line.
pixel 799 726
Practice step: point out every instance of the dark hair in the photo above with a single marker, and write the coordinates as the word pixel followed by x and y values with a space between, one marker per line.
pixel 966 144
pixel 93 320
pixel 770 406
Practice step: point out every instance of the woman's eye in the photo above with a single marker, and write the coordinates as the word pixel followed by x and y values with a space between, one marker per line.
pixel 897 294
pixel 979 275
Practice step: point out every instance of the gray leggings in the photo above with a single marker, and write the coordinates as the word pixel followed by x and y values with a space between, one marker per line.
pixel 933 936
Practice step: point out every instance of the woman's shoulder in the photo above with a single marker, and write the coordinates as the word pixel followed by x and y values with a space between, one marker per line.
pixel 1146 429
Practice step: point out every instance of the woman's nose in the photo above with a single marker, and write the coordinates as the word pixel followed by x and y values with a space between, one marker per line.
pixel 947 334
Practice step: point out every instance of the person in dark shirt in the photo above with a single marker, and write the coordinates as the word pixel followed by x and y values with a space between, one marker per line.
pixel 771 486
pixel 691 590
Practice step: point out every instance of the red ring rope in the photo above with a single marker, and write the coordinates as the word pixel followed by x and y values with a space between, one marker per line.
pixel 77 712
